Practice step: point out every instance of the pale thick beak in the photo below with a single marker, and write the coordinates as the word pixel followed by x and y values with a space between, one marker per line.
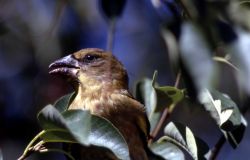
pixel 67 66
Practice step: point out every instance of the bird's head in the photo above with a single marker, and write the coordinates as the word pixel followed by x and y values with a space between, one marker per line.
pixel 91 67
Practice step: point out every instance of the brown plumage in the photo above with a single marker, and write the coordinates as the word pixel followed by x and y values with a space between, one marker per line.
pixel 101 83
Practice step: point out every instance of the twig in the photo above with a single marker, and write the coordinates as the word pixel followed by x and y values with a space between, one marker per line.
pixel 166 113
pixel 157 129
pixel 218 146
pixel 111 34
pixel 220 143
pixel 178 78
pixel 29 149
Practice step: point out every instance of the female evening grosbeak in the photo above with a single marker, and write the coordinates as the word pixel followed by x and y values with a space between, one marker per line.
pixel 101 84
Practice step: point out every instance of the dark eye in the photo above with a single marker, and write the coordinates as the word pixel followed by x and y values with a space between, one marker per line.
pixel 90 58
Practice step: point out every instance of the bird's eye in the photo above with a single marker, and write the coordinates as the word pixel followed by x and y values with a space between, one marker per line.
pixel 90 58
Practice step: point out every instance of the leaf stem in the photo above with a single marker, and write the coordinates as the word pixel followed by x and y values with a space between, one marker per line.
pixel 27 149
pixel 223 60
pixel 215 151
pixel 111 34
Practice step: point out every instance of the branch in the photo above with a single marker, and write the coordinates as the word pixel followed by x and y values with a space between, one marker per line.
pixel 166 113
pixel 218 146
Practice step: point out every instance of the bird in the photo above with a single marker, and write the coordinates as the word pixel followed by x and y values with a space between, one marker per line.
pixel 101 85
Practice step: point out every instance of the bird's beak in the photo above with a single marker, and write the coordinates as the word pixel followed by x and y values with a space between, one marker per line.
pixel 67 66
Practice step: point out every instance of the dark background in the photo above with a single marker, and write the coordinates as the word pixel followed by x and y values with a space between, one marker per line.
pixel 33 33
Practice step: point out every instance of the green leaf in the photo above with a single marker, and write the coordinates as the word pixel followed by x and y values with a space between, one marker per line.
pixel 76 122
pixel 219 107
pixel 104 134
pixel 183 137
pixel 50 118
pixel 58 135
pixel 145 93
pixel 62 103
pixel 165 95
pixel 226 114
pixel 167 150
pixel 79 126
pixel 156 98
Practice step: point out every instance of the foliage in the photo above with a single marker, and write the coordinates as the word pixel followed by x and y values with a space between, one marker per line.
pixel 197 33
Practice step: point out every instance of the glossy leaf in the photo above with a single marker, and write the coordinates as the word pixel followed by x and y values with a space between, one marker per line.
pixel 62 103
pixel 156 98
pixel 145 94
pixel 50 118
pixel 79 126
pixel 104 134
pixel 167 150
pixel 165 95
pixel 226 114
pixel 220 113
pixel 58 135
pixel 76 122
pixel 183 137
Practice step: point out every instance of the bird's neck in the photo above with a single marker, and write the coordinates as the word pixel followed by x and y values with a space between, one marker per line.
pixel 93 96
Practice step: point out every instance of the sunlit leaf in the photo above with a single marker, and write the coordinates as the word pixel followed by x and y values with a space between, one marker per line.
pixel 167 150
pixel 145 93
pixel 226 114
pixel 182 136
pixel 220 113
